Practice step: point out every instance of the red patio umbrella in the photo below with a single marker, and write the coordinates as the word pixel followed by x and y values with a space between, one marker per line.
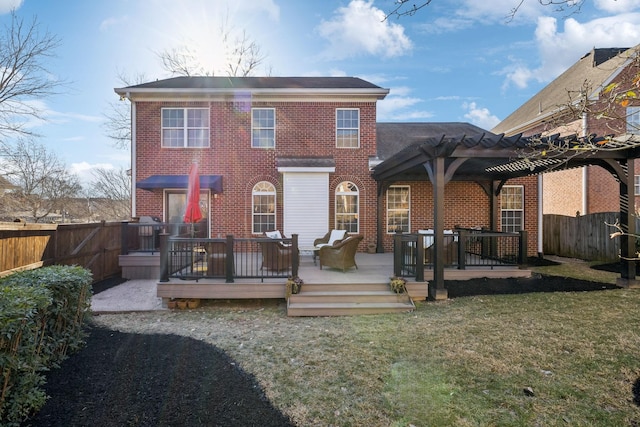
pixel 192 214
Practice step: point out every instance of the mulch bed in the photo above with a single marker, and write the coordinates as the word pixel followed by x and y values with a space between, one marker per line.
pixel 122 379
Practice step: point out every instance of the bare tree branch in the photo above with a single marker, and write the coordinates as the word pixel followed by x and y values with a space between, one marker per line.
pixel 23 76
pixel 410 7
pixel 118 116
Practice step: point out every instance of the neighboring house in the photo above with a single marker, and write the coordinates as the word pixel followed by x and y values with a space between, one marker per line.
pixel 558 109
pixel 296 154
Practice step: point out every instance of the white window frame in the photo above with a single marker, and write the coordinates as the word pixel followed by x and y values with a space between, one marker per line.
pixel 185 128
pixel 344 133
pixel 392 228
pixel 512 207
pixel 263 188
pixel 633 119
pixel 636 185
pixel 345 190
pixel 257 128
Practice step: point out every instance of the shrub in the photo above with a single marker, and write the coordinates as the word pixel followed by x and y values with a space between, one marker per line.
pixel 41 316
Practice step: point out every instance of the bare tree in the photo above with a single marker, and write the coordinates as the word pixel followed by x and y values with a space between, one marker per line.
pixel 23 74
pixel 118 116
pixel 45 183
pixel 110 194
pixel 243 56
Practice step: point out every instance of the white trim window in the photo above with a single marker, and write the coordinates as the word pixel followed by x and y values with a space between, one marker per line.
pixel 398 209
pixel 636 185
pixel 263 127
pixel 512 208
pixel 185 127
pixel 347 199
pixel 347 128
pixel 633 120
pixel 263 207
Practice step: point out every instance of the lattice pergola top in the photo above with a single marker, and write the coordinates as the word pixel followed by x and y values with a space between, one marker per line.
pixel 487 156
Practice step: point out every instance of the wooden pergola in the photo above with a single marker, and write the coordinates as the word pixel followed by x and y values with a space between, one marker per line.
pixel 490 160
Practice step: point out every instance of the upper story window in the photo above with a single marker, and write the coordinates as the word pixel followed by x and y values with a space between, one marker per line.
pixel 398 209
pixel 636 185
pixel 263 127
pixel 512 208
pixel 185 127
pixel 347 207
pixel 347 128
pixel 263 201
pixel 633 120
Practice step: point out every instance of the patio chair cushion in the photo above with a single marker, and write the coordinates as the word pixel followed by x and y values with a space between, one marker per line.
pixel 273 234
pixel 330 238
pixel 341 255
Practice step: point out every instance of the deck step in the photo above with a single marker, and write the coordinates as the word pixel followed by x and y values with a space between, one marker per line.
pixel 347 300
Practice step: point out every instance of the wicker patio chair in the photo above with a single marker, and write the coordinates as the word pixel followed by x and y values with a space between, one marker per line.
pixel 341 255
pixel 276 255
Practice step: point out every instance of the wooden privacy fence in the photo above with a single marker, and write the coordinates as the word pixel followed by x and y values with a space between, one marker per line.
pixel 94 246
pixel 583 237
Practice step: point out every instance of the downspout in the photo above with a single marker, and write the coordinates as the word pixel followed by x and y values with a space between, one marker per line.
pixel 133 158
pixel 540 216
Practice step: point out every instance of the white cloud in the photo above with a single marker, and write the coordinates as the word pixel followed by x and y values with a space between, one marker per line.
pixel 399 105
pixel 478 116
pixel 560 49
pixel 7 6
pixel 360 29
pixel 617 6
pixel 106 24
pixel 84 170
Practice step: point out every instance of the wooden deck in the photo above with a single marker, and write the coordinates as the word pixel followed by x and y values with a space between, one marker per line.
pixel 348 297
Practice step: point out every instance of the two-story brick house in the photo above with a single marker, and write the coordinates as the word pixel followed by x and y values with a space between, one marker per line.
pixel 578 102
pixel 295 154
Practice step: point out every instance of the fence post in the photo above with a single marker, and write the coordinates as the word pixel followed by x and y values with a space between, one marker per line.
pixel 228 265
pixel 295 255
pixel 397 255
pixel 124 242
pixel 463 236
pixel 164 257
pixel 419 258
pixel 522 253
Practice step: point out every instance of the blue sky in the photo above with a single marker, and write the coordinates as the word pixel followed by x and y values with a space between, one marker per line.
pixel 455 60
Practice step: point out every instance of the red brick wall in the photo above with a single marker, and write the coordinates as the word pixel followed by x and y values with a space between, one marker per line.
pixel 466 205
pixel 303 129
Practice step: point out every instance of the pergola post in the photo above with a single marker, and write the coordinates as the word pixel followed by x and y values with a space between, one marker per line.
pixel 628 225
pixel 437 291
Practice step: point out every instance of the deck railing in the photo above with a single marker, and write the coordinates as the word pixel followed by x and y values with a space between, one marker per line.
pixel 145 236
pixel 413 252
pixel 229 258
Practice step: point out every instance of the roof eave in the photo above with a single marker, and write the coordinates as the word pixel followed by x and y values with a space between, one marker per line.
pixel 207 93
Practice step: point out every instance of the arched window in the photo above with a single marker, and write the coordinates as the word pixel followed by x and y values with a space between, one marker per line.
pixel 263 207
pixel 347 199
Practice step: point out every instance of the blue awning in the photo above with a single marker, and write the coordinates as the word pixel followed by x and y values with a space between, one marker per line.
pixel 154 182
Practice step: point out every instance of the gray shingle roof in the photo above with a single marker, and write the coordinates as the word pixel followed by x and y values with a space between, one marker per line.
pixel 393 137
pixel 213 82
pixel 595 68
